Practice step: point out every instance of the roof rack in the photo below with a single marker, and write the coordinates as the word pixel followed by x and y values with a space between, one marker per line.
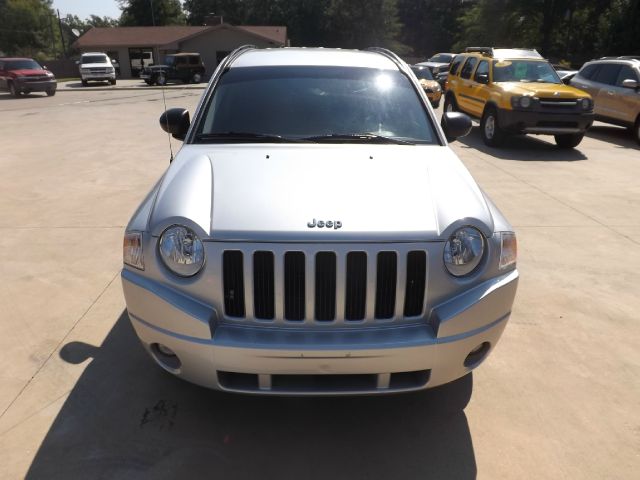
pixel 629 57
pixel 505 52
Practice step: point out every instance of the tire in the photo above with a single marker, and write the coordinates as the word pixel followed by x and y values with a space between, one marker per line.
pixel 435 105
pixel 569 140
pixel 112 82
pixel 196 78
pixel 85 83
pixel 51 92
pixel 13 90
pixel 148 82
pixel 161 79
pixel 492 134
pixel 636 130
pixel 450 104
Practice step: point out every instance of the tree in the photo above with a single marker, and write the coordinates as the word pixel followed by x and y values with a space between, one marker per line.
pixel 27 28
pixel 151 12
pixel 232 11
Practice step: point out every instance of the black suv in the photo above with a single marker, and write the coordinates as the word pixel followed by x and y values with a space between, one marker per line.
pixel 186 67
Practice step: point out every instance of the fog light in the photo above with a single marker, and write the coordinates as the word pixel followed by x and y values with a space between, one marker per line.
pixel 166 357
pixel 477 355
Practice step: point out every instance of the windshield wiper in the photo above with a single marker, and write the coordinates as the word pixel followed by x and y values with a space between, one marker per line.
pixel 251 137
pixel 362 137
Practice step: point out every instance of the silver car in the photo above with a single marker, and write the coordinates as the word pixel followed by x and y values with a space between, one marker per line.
pixel 614 84
pixel 315 235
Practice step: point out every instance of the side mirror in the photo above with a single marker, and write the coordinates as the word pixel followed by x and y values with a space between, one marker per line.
pixel 482 78
pixel 77 62
pixel 176 121
pixel 455 125
pixel 630 83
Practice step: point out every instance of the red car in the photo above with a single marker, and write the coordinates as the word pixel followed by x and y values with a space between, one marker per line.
pixel 24 75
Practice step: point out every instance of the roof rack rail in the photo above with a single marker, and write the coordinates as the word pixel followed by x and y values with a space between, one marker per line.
pixel 401 64
pixel 483 50
pixel 629 57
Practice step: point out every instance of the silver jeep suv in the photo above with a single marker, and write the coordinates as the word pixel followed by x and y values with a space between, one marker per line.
pixel 316 235
pixel 614 85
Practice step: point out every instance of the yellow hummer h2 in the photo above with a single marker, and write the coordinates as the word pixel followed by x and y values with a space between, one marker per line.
pixel 517 91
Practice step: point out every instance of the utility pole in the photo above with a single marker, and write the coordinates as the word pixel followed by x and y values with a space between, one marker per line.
pixel 53 40
pixel 64 47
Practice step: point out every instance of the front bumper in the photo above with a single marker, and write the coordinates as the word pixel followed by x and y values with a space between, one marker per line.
pixel 539 122
pixel 103 77
pixel 37 86
pixel 387 358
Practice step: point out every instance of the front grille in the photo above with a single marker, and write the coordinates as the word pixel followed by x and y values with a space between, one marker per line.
pixel 37 78
pixel 98 70
pixel 558 103
pixel 324 286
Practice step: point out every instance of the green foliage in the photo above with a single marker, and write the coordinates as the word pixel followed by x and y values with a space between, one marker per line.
pixel 151 12
pixel 27 28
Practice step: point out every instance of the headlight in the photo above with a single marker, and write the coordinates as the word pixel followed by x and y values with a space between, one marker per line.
pixel 84 70
pixel 463 251
pixel 508 250
pixel 181 251
pixel 132 250
pixel 520 102
pixel 586 104
pixel 111 69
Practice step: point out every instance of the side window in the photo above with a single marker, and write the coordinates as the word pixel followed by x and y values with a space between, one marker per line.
pixel 589 71
pixel 608 74
pixel 180 60
pixel 482 68
pixel 455 65
pixel 468 67
pixel 626 73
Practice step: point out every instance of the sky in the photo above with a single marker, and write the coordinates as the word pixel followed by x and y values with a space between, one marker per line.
pixel 84 8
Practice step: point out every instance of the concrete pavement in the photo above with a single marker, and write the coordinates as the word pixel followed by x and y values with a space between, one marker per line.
pixel 559 398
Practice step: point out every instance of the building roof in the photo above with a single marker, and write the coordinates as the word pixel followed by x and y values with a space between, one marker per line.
pixel 159 36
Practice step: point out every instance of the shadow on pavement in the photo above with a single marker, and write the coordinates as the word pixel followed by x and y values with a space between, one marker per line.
pixel 619 136
pixel 88 87
pixel 127 418
pixel 524 148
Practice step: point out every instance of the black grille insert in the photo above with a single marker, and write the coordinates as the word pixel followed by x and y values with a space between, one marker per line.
pixel 356 294
pixel 416 277
pixel 386 284
pixel 294 284
pixel 325 286
pixel 233 279
pixel 263 285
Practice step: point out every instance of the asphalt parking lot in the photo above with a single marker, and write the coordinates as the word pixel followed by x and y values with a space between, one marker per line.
pixel 559 398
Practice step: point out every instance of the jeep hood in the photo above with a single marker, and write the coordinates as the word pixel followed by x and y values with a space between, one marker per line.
pixel 272 192
pixel 544 90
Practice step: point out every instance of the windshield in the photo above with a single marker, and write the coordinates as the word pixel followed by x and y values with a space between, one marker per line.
pixel 169 60
pixel 23 65
pixel 441 58
pixel 94 59
pixel 422 73
pixel 308 102
pixel 524 71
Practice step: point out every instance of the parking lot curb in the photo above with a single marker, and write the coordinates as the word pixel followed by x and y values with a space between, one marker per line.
pixel 140 88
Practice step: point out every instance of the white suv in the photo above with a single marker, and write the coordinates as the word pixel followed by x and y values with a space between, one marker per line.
pixel 96 66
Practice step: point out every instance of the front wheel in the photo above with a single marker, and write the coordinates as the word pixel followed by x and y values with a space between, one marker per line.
pixel 112 82
pixel 196 78
pixel 636 130
pixel 435 105
pixel 450 104
pixel 569 140
pixel 161 79
pixel 51 92
pixel 13 90
pixel 85 83
pixel 492 134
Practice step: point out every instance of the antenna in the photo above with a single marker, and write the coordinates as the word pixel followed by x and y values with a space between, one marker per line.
pixel 164 99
